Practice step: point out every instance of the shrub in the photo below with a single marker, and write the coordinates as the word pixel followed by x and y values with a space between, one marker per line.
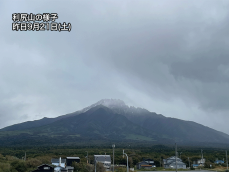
pixel 33 163
pixel 82 167
pixel 19 166
pixel 4 167
pixel 192 168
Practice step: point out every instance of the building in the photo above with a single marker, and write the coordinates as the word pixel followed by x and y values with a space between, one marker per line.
pixel 171 163
pixel 70 160
pixel 201 162
pixel 59 162
pixel 104 159
pixel 44 168
pixel 60 165
pixel 144 165
pixel 195 165
pixel 150 162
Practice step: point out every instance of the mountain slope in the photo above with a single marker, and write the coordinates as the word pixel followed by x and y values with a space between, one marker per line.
pixel 109 120
pixel 176 129
pixel 98 123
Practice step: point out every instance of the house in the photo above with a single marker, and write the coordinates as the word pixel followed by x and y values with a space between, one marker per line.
pixel 150 162
pixel 144 165
pixel 201 162
pixel 219 162
pixel 59 162
pixel 104 159
pixel 171 162
pixel 44 168
pixel 70 160
pixel 61 165
pixel 195 165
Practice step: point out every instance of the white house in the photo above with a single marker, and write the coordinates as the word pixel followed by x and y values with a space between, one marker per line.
pixel 171 163
pixel 61 165
pixel 59 162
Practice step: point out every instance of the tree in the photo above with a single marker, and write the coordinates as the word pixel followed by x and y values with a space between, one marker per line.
pixel 120 169
pixel 135 160
pixel 4 167
pixel 33 163
pixel 82 167
pixel 130 162
pixel 19 166
pixel 100 167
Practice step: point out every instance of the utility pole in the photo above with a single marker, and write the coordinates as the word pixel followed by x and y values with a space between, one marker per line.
pixel 25 156
pixel 160 160
pixel 113 146
pixel 202 158
pixel 189 163
pixel 176 155
pixel 226 159
pixel 95 163
pixel 87 156
pixel 127 167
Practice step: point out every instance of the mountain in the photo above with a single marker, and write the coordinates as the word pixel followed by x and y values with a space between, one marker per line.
pixel 110 120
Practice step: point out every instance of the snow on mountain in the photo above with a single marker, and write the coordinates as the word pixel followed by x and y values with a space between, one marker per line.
pixel 110 103
pixel 117 105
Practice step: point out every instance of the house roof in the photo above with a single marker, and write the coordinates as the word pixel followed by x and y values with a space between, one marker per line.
pixel 70 168
pixel 143 163
pixel 178 163
pixel 217 161
pixel 195 165
pixel 45 165
pixel 39 168
pixel 173 158
pixel 53 160
pixel 72 158
pixel 102 158
pixel 60 169
pixel 64 169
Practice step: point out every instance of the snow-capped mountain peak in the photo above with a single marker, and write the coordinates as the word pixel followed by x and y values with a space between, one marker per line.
pixel 111 103
pixel 117 105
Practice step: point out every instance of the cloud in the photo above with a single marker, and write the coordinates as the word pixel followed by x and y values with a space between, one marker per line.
pixel 170 57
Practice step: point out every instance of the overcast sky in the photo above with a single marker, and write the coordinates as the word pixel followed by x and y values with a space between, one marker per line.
pixel 168 56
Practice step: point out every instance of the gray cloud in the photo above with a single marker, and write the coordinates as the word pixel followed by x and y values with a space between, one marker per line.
pixel 170 57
